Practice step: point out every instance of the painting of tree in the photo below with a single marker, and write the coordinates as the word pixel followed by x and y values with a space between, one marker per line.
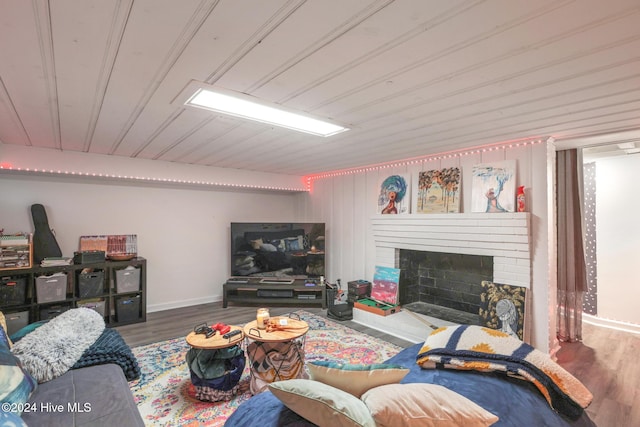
pixel 438 191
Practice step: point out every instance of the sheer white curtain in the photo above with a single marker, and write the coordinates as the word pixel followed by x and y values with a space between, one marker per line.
pixel 572 273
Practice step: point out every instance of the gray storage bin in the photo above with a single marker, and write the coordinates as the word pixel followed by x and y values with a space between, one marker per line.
pixel 90 284
pixel 51 288
pixel 128 280
pixel 12 290
pixel 52 311
pixel 97 305
pixel 128 308
pixel 16 321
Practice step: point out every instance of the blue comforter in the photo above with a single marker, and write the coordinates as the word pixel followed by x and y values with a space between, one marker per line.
pixel 516 402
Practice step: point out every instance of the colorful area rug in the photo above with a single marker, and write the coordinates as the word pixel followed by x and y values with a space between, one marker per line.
pixel 165 396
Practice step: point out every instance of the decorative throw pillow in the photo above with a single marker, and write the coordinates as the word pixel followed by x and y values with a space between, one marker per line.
pixel 255 244
pixel 53 348
pixel 11 419
pixel 356 379
pixel 3 325
pixel 279 245
pixel 322 404
pixel 16 385
pixel 268 247
pixel 424 405
pixel 293 244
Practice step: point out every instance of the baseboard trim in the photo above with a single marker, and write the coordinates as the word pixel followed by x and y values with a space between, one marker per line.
pixel 183 303
pixel 611 324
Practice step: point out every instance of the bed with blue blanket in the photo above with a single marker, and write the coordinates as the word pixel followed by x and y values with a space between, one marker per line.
pixel 510 384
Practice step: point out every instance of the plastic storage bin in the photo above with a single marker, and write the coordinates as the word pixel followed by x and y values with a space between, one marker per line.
pixel 12 290
pixel 52 311
pixel 16 321
pixel 128 308
pixel 51 288
pixel 97 305
pixel 128 280
pixel 90 284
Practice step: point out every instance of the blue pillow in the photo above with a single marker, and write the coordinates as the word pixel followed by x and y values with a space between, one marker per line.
pixel 11 419
pixel 292 244
pixel 16 385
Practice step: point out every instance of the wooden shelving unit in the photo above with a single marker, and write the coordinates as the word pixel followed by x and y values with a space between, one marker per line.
pixel 18 255
pixel 106 293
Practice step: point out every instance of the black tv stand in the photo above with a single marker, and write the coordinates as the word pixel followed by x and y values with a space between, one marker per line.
pixel 273 292
pixel 269 281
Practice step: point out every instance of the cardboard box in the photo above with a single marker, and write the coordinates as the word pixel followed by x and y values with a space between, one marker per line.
pixel 379 308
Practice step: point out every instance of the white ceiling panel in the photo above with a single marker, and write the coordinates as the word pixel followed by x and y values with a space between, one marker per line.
pixel 410 77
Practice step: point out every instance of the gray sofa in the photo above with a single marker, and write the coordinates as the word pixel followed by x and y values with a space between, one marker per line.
pixel 82 370
pixel 93 396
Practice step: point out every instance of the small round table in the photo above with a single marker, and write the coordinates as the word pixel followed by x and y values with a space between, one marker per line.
pixel 277 355
pixel 224 387
pixel 215 342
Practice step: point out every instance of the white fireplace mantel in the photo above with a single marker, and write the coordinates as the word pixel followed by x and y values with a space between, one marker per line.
pixel 504 236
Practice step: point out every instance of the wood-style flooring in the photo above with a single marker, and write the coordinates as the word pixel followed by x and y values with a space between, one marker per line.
pixel 605 361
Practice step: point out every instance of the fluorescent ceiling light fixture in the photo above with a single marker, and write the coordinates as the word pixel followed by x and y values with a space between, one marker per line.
pixel 248 107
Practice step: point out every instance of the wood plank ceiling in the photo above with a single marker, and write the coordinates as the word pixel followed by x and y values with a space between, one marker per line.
pixel 411 77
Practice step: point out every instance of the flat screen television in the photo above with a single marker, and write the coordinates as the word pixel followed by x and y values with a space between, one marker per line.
pixel 282 249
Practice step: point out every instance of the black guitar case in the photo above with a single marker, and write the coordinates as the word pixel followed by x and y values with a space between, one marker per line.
pixel 45 244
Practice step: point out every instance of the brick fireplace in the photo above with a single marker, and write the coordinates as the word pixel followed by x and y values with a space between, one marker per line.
pixel 497 244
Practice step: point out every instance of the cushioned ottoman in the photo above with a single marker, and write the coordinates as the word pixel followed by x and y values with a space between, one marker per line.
pixel 94 396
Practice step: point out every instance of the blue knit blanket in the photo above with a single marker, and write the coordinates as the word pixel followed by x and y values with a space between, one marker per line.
pixel 483 349
pixel 110 348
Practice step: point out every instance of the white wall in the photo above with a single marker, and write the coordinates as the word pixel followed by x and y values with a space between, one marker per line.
pixel 348 202
pixel 183 233
pixel 618 237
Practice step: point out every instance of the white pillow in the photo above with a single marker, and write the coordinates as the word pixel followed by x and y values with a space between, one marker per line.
pixel 322 404
pixel 424 405
pixel 353 378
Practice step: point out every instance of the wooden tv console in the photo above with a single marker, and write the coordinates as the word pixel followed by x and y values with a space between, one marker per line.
pixel 270 291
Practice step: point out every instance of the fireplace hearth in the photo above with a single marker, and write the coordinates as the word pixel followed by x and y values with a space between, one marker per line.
pixel 443 313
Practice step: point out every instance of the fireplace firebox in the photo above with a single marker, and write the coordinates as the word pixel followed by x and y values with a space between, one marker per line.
pixel 443 285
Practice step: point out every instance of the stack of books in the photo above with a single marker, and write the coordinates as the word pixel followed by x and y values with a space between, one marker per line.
pixel 56 261
pixel 14 239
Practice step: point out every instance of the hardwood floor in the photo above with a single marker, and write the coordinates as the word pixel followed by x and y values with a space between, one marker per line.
pixel 164 325
pixel 606 360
